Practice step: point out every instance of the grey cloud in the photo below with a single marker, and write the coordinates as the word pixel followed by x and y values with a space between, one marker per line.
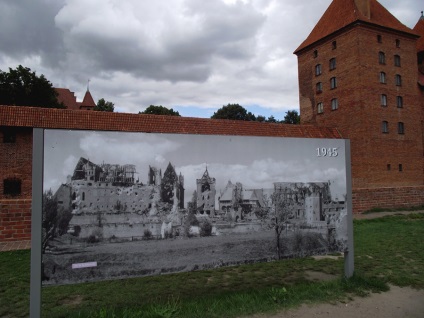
pixel 174 51
pixel 27 28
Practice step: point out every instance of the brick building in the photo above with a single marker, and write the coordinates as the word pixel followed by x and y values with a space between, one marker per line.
pixel 361 76
pixel 358 72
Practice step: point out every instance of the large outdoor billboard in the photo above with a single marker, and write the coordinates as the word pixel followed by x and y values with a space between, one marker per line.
pixel 119 205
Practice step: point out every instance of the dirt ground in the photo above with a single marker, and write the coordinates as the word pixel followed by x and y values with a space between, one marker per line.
pixel 396 303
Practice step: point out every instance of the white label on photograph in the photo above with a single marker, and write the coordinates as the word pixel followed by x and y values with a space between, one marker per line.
pixel 84 265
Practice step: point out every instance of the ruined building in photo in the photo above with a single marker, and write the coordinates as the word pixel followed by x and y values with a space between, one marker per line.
pixel 206 193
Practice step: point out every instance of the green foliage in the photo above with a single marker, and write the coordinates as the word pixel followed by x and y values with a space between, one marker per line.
pixel 234 112
pixel 22 87
pixel 104 106
pixel 237 112
pixel 160 110
pixel 291 117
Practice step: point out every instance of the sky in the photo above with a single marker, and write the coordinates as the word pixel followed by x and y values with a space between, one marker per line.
pixel 256 162
pixel 190 55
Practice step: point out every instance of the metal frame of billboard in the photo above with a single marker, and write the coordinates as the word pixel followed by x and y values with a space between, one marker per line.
pixel 36 220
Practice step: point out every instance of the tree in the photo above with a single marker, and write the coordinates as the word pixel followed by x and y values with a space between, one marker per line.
pixel 283 209
pixel 271 119
pixel 292 117
pixel 234 112
pixel 159 110
pixel 104 106
pixel 21 87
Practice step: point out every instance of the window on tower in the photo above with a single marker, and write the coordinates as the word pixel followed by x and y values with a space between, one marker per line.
pixel 384 127
pixel 333 82
pixel 383 99
pixel 379 38
pixel 318 69
pixel 381 58
pixel 334 104
pixel 401 128
pixel 397 60
pixel 382 77
pixel 397 43
pixel 399 101
pixel 319 87
pixel 320 108
pixel 334 45
pixel 315 54
pixel 398 80
pixel 332 63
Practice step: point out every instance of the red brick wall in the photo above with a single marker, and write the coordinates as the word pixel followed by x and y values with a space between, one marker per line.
pixel 365 199
pixel 16 162
pixel 15 220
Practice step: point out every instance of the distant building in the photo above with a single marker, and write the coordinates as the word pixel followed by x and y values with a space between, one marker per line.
pixel 69 99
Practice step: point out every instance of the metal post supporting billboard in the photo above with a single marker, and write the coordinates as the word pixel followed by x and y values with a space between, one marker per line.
pixel 349 254
pixel 36 221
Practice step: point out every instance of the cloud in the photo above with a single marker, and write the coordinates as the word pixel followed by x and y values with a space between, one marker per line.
pixel 160 40
pixel 179 53
pixel 138 149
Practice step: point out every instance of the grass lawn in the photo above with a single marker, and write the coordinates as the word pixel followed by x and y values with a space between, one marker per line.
pixel 387 250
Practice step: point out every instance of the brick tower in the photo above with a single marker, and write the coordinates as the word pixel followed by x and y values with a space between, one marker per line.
pixel 358 73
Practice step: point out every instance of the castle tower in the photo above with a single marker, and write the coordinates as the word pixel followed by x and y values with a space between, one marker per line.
pixel 358 73
pixel 206 194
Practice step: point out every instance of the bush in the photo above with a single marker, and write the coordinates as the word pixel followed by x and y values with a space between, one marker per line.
pixel 147 234
pixel 92 239
pixel 206 229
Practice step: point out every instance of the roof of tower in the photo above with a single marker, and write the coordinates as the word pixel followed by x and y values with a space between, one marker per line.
pixel 88 100
pixel 68 98
pixel 419 29
pixel 342 13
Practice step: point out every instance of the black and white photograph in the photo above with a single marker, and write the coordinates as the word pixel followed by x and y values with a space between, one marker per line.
pixel 118 205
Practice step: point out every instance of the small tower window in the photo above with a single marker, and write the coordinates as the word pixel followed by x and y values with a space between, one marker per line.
pixel 389 167
pixel 334 104
pixel 382 77
pixel 381 58
pixel 379 38
pixel 397 43
pixel 383 99
pixel 384 127
pixel 400 167
pixel 398 80
pixel 399 101
pixel 315 54
pixel 397 60
pixel 333 82
pixel 319 87
pixel 401 128
pixel 320 108
pixel 332 63
pixel 318 69
pixel 334 45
